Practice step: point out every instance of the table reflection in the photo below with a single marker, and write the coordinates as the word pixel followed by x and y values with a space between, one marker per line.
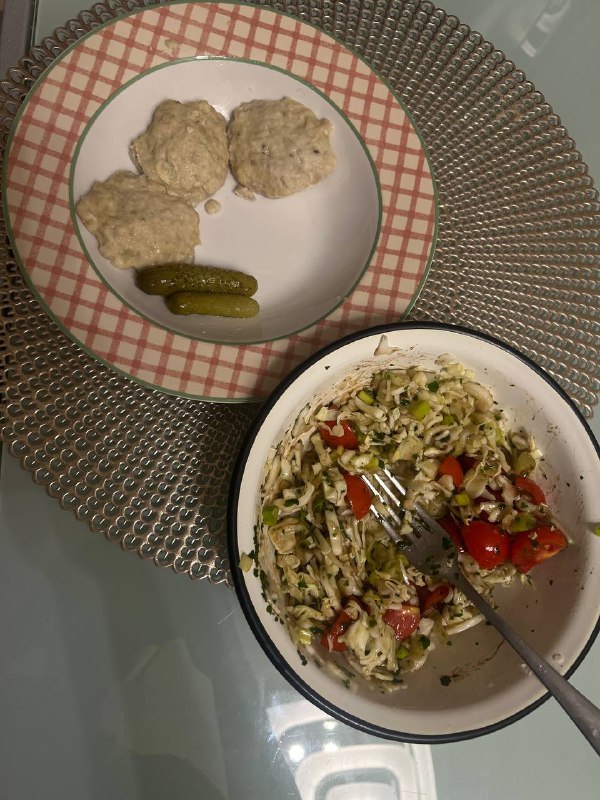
pixel 327 763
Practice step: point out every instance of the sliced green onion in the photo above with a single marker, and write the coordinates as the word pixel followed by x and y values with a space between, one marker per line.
pixel 523 463
pixel 270 514
pixel 245 562
pixel 448 419
pixel 419 410
pixel 366 397
pixel 462 499
pixel 597 530
pixel 304 636
pixel 402 653
pixel 523 522
pixel 374 464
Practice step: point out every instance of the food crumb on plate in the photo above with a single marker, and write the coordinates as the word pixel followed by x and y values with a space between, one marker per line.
pixel 212 206
pixel 244 193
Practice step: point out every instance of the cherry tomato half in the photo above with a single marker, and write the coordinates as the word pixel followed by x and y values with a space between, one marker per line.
pixel 403 621
pixel 435 598
pixel 358 495
pixel 330 639
pixel 531 488
pixel 467 462
pixel 488 544
pixel 533 547
pixel 451 466
pixel 347 440
pixel 450 525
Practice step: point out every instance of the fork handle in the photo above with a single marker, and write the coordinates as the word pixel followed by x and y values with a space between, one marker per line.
pixel 583 713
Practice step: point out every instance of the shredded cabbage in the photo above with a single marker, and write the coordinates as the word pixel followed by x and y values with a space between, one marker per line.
pixel 318 559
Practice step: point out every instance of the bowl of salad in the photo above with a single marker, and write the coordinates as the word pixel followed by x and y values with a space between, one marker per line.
pixel 490 446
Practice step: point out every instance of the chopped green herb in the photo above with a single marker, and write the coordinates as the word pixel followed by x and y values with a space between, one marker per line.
pixel 433 386
pixel 445 680
pixel 425 642
pixel 263 579
pixel 290 502
pixel 302 584
pixel 317 505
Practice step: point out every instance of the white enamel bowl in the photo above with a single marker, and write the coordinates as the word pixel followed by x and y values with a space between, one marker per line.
pixel 559 615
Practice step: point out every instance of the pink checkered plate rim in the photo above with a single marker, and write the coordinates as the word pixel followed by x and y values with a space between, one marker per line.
pixel 39 213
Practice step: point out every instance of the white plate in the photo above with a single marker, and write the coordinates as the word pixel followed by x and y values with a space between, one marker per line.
pixel 559 616
pixel 307 251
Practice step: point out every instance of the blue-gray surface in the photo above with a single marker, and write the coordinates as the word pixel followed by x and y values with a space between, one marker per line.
pixel 121 680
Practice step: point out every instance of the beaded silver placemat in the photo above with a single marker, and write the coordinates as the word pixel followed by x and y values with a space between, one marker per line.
pixel 518 257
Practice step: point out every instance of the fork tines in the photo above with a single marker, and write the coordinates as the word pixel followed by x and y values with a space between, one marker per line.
pixel 388 501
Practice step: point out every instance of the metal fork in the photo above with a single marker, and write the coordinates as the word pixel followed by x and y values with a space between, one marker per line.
pixel 430 550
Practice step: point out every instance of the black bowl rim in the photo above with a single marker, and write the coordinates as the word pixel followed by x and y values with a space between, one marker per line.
pixel 256 626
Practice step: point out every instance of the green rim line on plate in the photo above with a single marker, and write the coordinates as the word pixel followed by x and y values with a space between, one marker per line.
pixel 253 62
pixel 42 77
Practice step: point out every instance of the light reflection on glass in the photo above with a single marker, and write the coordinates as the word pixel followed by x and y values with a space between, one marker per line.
pixel 330 761
pixel 296 753
pixel 544 26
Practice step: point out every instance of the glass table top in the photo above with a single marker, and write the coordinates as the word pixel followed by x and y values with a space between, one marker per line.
pixel 121 680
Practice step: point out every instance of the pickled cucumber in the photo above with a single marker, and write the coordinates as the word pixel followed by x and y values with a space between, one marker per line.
pixel 213 304
pixel 165 280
